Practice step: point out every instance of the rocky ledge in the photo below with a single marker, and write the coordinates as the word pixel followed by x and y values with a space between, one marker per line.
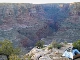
pixel 47 54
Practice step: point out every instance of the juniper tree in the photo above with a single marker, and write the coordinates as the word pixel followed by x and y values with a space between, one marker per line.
pixel 6 48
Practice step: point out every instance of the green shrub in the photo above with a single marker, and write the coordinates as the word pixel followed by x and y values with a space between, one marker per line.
pixel 77 44
pixel 40 44
pixel 56 45
pixel 14 57
pixel 50 47
pixel 7 48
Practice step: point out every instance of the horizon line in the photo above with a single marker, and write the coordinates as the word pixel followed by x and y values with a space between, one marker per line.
pixel 39 3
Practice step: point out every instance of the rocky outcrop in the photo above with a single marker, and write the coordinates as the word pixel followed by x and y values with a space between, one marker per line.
pixel 36 53
pixel 45 58
pixel 46 54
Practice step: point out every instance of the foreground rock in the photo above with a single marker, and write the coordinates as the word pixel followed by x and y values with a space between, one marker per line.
pixel 45 58
pixel 48 54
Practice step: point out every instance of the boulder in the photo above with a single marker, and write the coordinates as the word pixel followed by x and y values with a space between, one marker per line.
pixel 34 51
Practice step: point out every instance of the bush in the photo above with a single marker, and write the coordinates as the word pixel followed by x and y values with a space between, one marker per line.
pixel 7 48
pixel 14 57
pixel 56 45
pixel 40 44
pixel 77 44
pixel 50 47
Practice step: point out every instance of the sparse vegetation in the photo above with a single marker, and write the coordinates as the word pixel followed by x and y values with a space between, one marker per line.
pixel 40 44
pixel 14 57
pixel 27 57
pixel 76 44
pixel 59 46
pixel 56 45
pixel 50 47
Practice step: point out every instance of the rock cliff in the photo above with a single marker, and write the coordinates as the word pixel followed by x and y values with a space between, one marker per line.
pixel 25 24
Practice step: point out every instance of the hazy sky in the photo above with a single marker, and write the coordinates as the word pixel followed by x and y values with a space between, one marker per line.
pixel 38 1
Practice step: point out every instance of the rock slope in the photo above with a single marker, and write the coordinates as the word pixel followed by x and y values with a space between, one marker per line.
pixel 25 24
pixel 45 54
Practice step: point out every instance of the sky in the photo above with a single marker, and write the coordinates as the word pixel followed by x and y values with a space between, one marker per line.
pixel 38 1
